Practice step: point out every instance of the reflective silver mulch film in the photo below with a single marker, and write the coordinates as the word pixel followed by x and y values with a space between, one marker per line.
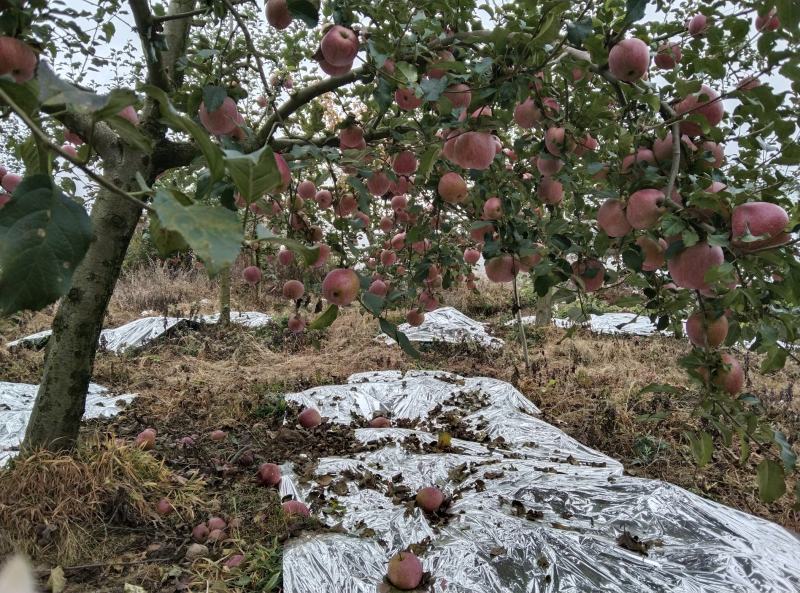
pixel 607 323
pixel 538 512
pixel 16 403
pixel 448 324
pixel 139 332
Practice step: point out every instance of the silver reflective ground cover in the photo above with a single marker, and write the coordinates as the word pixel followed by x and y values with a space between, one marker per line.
pixel 16 403
pixel 607 323
pixel 139 332
pixel 542 513
pixel 448 324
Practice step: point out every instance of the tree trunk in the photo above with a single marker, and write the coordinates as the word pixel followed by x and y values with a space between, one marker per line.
pixel 69 361
pixel 225 296
pixel 544 309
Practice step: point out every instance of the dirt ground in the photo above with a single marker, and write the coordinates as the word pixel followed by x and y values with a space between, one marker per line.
pixel 94 514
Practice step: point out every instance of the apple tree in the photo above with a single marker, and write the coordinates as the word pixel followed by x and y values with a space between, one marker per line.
pixel 380 149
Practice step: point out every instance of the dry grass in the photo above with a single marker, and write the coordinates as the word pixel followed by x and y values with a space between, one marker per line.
pixel 197 381
pixel 161 288
pixel 59 506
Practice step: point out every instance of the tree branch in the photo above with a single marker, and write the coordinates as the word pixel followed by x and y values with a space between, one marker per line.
pixel 176 33
pixel 304 96
pixel 45 140
pixel 148 31
pixel 171 155
pixel 98 135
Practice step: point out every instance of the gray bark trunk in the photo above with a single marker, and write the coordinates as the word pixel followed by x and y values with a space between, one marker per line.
pixel 225 297
pixel 544 309
pixel 69 361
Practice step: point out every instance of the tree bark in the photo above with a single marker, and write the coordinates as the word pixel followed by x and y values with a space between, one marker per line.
pixel 225 297
pixel 544 309
pixel 69 361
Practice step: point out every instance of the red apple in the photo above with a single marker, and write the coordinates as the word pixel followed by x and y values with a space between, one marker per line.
pixel 340 287
pixel 405 571
pixel 590 272
pixel 645 207
pixel 278 14
pixel 17 59
pixel 668 55
pixel 697 25
pixel 653 252
pixel 269 474
pixel 527 114
pixel 550 191
pixel 611 218
pixel 458 94
pixel 223 120
pixel 705 102
pixel 705 332
pixel 689 267
pixel 452 188
pixel 406 99
pixel 759 219
pixel 296 508
pixel 628 60
pixel 429 499
pixel 252 275
pixel 339 46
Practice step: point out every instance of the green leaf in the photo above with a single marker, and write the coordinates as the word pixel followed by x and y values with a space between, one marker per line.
pixel 790 155
pixel 775 359
pixel 789 14
pixel 168 242
pixel 633 259
pixel 702 447
pixel 54 91
pixel 43 237
pixel 391 330
pixel 327 317
pixel 213 97
pixel 787 453
pixel 29 154
pixel 129 133
pixel 373 303
pixel 22 94
pixel 428 160
pixel 579 30
pixel 408 71
pixel 542 284
pixel 306 11
pixel 254 174
pixel 634 10
pixel 309 254
pixel 686 87
pixel 181 122
pixel 213 232
pixel 433 88
pixel 771 480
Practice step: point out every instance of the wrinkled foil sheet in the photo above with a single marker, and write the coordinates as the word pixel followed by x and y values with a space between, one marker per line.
pixel 447 324
pixel 574 504
pixel 617 323
pixel 16 403
pixel 141 331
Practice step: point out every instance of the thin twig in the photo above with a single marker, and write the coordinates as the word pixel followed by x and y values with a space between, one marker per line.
pixel 248 40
